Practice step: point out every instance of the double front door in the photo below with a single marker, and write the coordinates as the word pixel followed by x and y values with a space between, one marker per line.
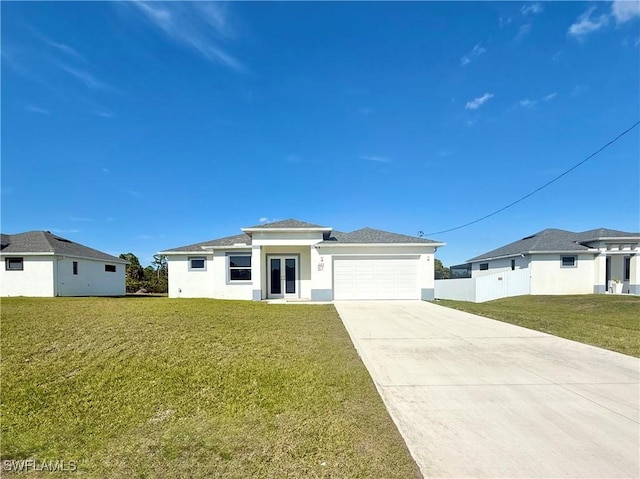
pixel 282 276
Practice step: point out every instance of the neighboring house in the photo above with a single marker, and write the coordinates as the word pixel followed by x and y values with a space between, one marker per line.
pixel 298 260
pixel 563 262
pixel 39 263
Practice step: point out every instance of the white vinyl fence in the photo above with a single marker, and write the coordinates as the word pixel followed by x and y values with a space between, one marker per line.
pixel 485 288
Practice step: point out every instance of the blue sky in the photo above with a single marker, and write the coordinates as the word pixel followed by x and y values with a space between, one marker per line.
pixel 146 126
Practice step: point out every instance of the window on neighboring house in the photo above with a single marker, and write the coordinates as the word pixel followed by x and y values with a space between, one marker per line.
pixel 197 263
pixel 513 265
pixel 240 267
pixel 484 266
pixel 75 267
pixel 627 268
pixel 14 264
pixel 110 268
pixel 569 261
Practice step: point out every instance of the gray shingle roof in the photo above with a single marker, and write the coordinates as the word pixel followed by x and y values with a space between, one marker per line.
pixel 226 241
pixel 290 223
pixel 363 236
pixel 46 242
pixel 554 240
pixel 373 236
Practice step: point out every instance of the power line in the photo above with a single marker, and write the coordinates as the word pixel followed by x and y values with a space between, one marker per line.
pixel 541 187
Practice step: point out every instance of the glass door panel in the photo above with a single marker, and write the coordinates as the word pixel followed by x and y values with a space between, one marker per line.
pixel 290 275
pixel 276 283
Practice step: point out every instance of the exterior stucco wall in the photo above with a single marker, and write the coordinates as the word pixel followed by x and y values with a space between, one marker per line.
pixel 211 282
pixel 184 283
pixel 549 277
pixel 91 280
pixel 36 278
pixel 499 266
pixel 49 275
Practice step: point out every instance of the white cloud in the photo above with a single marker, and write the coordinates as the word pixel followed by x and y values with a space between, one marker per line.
pixel 531 9
pixel 376 159
pixel 504 20
pixel 103 112
pixel 624 10
pixel 526 103
pixel 37 109
pixel 550 96
pixel 585 24
pixel 473 54
pixel 85 77
pixel 478 102
pixel 202 26
pixel 523 30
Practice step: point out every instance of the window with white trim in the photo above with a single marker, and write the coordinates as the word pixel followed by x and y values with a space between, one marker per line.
pixel 569 261
pixel 14 264
pixel 197 263
pixel 240 267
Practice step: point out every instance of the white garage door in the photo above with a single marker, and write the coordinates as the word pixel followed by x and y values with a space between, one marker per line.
pixel 375 278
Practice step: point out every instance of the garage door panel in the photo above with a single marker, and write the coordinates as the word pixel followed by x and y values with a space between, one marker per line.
pixel 375 278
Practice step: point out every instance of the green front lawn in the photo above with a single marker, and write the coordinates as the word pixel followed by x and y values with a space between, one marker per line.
pixel 607 321
pixel 162 388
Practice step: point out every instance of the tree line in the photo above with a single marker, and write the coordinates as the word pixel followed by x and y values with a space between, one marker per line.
pixel 150 279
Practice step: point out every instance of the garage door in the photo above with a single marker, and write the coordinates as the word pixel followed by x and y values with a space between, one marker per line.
pixel 375 278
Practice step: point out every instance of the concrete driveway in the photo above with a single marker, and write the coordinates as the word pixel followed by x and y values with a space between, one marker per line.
pixel 477 398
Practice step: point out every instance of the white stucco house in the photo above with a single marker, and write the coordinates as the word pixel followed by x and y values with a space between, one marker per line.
pixel 293 259
pixel 39 263
pixel 563 262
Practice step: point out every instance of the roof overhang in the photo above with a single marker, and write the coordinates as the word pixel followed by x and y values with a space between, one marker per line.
pixel 383 245
pixel 249 231
pixel 60 255
pixel 524 253
pixel 616 239
pixel 207 249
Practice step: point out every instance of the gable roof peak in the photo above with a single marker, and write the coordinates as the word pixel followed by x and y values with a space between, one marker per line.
pixel 288 223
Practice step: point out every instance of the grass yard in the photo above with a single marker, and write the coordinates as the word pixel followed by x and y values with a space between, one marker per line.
pixel 162 388
pixel 608 321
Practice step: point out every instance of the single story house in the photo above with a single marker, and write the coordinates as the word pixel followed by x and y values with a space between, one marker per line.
pixel 293 259
pixel 39 263
pixel 563 262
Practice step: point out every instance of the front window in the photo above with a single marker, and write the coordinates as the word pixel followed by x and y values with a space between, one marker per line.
pixel 627 268
pixel 14 264
pixel 240 268
pixel 197 263
pixel 569 261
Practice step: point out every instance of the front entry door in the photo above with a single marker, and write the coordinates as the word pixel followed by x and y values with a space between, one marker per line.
pixel 283 277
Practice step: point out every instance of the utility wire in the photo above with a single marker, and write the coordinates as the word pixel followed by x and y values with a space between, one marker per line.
pixel 543 186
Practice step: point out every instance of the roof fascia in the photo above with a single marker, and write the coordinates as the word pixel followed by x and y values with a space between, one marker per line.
pixel 338 245
pixel 61 255
pixel 533 252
